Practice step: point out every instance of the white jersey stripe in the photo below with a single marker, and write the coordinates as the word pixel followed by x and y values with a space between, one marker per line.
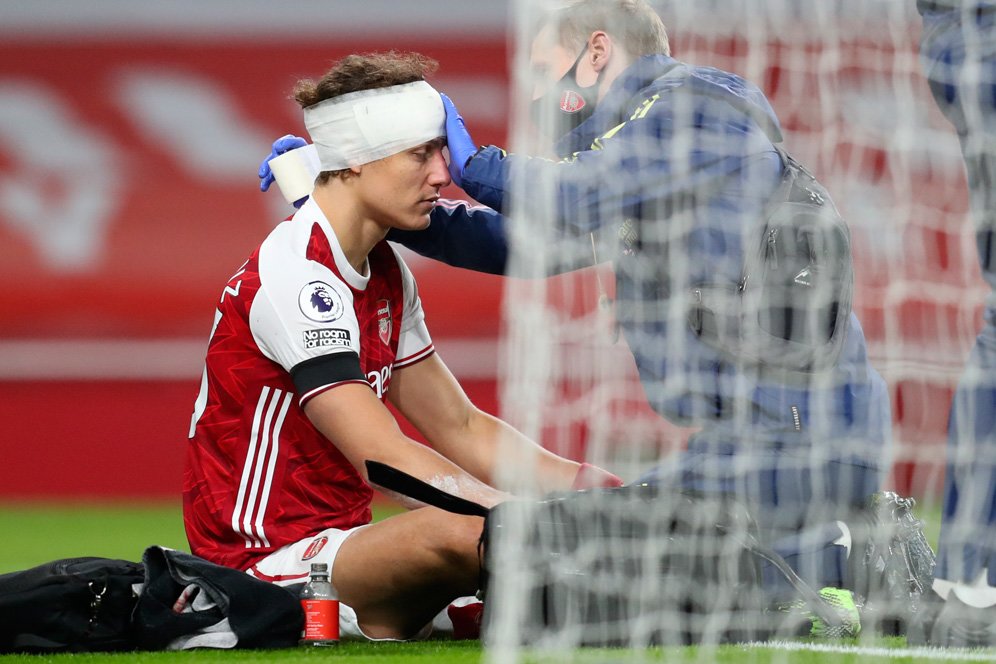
pixel 414 357
pixel 250 456
pixel 307 396
pixel 258 470
pixel 271 466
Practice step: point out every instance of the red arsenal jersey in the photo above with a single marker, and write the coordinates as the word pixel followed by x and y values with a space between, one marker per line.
pixel 294 321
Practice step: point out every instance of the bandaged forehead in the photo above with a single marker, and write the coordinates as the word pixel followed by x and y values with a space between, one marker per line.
pixel 360 127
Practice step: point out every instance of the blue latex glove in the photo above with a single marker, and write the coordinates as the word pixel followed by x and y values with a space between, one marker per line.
pixel 280 146
pixel 458 141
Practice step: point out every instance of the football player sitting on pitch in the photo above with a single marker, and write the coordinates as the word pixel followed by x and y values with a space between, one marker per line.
pixel 312 333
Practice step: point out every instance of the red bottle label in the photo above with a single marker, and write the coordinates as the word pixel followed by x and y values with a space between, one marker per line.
pixel 321 619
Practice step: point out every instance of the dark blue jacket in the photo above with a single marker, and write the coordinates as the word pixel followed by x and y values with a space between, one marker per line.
pixel 673 167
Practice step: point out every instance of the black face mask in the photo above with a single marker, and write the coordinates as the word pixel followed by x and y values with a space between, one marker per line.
pixel 567 102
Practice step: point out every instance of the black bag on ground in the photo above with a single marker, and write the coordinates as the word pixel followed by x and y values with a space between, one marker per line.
pixel 74 604
pixel 172 600
pixel 188 602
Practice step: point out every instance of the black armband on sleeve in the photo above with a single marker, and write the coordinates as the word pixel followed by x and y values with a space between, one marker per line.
pixel 326 370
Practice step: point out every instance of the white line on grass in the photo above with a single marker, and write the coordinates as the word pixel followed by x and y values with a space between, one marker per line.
pixel 956 655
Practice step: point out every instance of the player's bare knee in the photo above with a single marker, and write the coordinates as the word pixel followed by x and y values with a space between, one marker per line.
pixel 456 541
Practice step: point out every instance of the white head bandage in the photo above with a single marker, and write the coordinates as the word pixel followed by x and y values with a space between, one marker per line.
pixel 368 125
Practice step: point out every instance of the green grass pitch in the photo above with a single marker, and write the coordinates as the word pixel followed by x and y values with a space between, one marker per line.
pixel 34 533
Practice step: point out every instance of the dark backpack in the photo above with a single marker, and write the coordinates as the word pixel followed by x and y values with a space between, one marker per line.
pixel 75 604
pixel 790 309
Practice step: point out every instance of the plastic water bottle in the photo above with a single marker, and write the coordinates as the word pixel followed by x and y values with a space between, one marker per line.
pixel 321 610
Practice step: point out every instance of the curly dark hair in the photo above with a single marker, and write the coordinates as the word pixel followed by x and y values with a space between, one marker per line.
pixel 365 72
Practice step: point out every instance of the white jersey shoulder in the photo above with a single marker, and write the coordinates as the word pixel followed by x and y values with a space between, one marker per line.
pixel 303 309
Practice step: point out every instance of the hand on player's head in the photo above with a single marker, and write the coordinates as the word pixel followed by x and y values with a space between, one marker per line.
pixel 283 144
pixel 458 141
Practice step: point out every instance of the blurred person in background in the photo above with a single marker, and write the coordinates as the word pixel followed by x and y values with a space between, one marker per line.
pixel 958 54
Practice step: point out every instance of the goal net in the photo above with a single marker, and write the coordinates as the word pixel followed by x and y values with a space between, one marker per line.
pixel 598 362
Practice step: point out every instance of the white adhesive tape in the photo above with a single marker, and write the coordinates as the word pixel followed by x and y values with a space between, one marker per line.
pixel 295 172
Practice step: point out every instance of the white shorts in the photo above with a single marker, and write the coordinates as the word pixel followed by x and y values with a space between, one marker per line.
pixel 292 564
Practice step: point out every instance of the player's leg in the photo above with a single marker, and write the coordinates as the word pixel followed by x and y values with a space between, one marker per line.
pixel 399 573
pixel 814 491
pixel 963 611
pixel 806 456
pixel 958 50
pixel 967 546
pixel 778 485
pixel 968 531
pixel 391 577
pixel 965 579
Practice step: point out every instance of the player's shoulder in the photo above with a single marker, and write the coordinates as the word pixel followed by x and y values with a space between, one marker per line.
pixel 289 239
pixel 287 268
pixel 707 81
pixel 722 96
pixel 298 240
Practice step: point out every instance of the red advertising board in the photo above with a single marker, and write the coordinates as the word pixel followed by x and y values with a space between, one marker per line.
pixel 129 187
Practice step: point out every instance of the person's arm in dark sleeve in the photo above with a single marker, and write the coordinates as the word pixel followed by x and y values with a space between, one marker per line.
pixel 635 164
pixel 461 235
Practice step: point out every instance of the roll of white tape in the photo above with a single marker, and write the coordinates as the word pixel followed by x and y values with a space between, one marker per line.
pixel 295 172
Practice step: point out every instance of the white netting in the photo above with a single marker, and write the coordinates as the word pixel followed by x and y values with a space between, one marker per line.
pixel 846 84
